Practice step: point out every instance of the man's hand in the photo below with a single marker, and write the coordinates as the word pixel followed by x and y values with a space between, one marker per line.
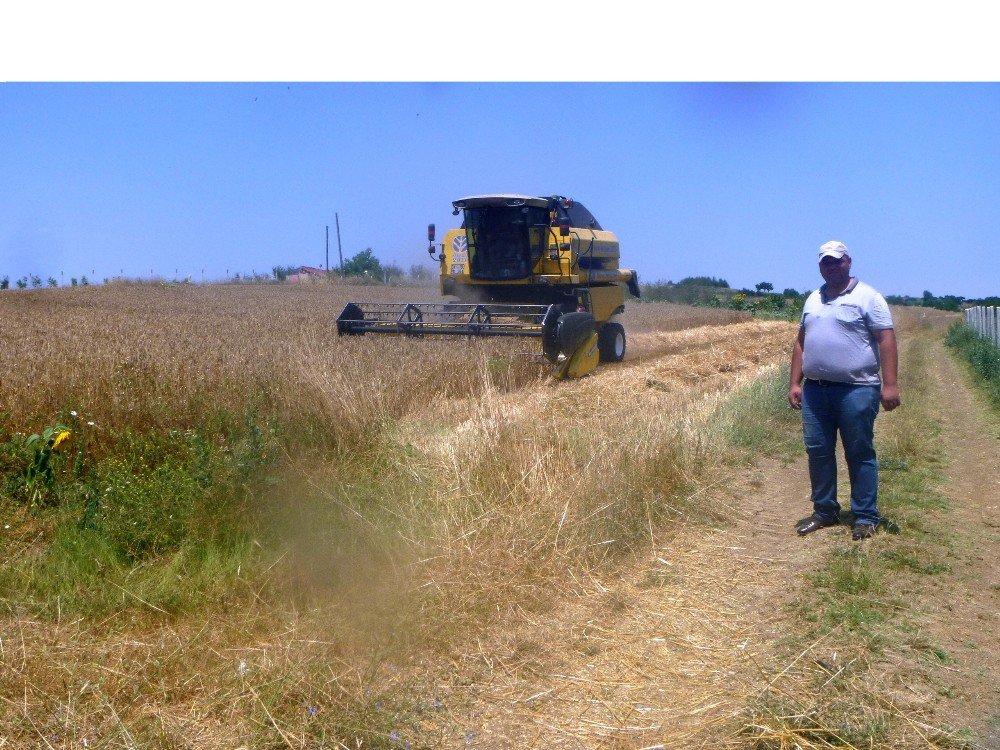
pixel 890 397
pixel 795 396
pixel 795 374
pixel 890 361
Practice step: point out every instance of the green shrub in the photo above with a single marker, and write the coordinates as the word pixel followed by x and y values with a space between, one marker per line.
pixel 165 516
pixel 982 355
pixel 146 513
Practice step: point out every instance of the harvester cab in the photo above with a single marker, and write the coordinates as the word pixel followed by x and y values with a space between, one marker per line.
pixel 520 266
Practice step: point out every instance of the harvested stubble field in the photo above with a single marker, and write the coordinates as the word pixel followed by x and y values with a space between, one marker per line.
pixel 274 537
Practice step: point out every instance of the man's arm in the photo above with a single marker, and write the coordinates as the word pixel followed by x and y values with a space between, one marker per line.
pixel 795 380
pixel 886 339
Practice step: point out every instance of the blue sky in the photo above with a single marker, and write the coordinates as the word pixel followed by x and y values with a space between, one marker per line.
pixel 740 181
pixel 695 175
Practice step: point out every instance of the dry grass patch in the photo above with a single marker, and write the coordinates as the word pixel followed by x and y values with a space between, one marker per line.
pixel 393 498
pixel 666 316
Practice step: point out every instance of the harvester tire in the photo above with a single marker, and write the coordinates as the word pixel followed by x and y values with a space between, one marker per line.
pixel 611 342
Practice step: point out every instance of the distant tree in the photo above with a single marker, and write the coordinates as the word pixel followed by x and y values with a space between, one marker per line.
pixel 281 273
pixel 363 264
pixel 83 281
pixel 36 281
pixel 703 281
pixel 764 286
pixel 72 281
pixel 52 282
pixel 790 293
pixel 22 282
pixel 949 302
pixel 5 283
pixel 690 291
pixel 419 272
pixel 657 291
pixel 391 273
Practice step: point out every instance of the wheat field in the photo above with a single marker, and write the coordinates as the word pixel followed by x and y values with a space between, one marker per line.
pixel 348 506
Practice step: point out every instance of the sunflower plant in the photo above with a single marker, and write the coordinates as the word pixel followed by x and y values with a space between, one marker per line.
pixel 39 474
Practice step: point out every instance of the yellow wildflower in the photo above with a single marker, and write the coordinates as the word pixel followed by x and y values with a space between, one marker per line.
pixel 60 438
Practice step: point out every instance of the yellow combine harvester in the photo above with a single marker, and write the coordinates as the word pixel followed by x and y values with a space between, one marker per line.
pixel 521 266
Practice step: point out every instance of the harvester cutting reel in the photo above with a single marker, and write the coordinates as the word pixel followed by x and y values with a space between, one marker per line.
pixel 571 341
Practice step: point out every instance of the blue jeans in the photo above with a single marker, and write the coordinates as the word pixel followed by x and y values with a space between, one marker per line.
pixel 850 410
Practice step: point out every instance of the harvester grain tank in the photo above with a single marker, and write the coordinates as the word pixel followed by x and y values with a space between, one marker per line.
pixel 520 266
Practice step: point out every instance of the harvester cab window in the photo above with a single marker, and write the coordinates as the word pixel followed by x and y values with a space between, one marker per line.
pixel 581 217
pixel 505 242
pixel 576 215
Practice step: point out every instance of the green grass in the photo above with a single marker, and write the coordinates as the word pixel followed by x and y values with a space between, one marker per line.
pixel 756 420
pixel 161 524
pixel 982 357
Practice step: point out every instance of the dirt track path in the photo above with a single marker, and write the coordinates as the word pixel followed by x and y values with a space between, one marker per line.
pixel 961 609
pixel 669 654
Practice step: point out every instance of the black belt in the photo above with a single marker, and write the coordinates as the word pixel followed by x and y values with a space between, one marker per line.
pixel 816 381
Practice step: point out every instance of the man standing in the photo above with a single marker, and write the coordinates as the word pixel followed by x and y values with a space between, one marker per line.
pixel 845 338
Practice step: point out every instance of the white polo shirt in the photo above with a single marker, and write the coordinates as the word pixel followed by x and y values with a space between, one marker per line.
pixel 839 343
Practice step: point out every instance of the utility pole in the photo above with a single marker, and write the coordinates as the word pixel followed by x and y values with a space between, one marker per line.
pixel 327 249
pixel 339 249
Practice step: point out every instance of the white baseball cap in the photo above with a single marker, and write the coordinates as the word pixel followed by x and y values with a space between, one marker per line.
pixel 834 249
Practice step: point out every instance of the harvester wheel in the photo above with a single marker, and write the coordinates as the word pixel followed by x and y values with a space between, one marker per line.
pixel 611 342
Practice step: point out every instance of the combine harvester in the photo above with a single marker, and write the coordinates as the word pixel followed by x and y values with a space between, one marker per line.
pixel 521 266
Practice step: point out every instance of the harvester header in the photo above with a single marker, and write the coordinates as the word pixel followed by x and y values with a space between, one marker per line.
pixel 520 266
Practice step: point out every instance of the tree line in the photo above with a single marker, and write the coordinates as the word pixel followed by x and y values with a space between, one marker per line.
pixel 708 290
pixel 950 302
pixel 35 282
pixel 365 264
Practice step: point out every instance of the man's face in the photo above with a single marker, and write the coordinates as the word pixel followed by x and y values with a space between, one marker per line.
pixel 835 272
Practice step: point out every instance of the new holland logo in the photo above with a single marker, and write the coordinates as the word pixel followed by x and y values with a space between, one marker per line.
pixel 459 246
